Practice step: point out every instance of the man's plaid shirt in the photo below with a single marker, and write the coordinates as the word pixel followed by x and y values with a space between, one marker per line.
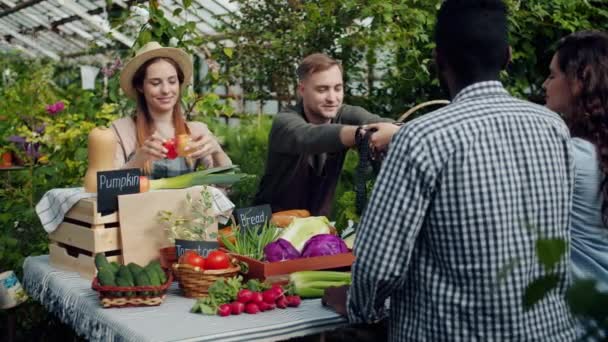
pixel 450 211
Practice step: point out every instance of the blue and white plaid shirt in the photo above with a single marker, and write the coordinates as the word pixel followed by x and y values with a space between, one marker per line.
pixel 450 211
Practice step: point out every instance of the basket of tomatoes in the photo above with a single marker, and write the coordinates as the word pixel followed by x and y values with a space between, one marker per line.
pixel 195 274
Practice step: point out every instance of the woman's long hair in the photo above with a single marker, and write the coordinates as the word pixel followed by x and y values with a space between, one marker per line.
pixel 143 120
pixel 583 57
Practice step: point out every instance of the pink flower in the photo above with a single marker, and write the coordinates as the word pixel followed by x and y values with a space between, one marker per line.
pixel 55 108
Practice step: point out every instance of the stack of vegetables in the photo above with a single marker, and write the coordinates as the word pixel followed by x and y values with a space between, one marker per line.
pixel 301 237
pixel 130 285
pixel 196 274
pixel 231 296
pixel 224 175
pixel 113 274
pixel 312 284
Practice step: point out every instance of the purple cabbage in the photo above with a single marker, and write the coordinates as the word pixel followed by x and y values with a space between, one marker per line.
pixel 324 244
pixel 280 250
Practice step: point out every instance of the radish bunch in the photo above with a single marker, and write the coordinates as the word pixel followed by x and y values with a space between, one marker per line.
pixel 253 302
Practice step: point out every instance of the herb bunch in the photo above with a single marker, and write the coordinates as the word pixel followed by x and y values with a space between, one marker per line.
pixel 194 226
pixel 251 242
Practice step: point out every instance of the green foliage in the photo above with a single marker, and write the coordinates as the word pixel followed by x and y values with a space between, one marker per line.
pixel 60 140
pixel 538 289
pixel 550 251
pixel 159 28
pixel 584 299
pixel 385 46
pixel 247 146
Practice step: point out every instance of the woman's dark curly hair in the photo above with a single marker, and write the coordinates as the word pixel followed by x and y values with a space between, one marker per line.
pixel 583 57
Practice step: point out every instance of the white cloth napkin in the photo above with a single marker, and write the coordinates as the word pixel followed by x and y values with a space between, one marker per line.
pixel 56 203
pixel 221 205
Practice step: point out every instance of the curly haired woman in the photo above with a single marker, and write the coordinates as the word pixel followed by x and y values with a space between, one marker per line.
pixel 577 87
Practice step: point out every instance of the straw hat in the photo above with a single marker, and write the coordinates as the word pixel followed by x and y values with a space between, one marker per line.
pixel 147 52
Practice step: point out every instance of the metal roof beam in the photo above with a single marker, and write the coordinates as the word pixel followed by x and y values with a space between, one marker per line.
pixel 72 6
pixel 19 7
pixel 30 43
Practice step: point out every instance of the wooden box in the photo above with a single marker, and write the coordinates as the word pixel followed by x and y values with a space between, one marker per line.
pixel 82 234
pixel 279 271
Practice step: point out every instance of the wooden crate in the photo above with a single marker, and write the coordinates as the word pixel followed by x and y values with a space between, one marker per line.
pixel 82 234
pixel 278 272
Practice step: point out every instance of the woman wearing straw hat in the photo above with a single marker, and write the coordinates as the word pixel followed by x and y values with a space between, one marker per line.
pixel 155 78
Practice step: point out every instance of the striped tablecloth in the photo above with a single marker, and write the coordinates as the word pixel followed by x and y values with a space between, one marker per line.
pixel 71 298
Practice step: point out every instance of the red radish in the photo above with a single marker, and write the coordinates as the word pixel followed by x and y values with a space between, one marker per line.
pixel 266 307
pixel 270 296
pixel 244 296
pixel 293 301
pixel 224 310
pixel 256 297
pixel 281 303
pixel 252 308
pixel 278 290
pixel 263 306
pixel 237 308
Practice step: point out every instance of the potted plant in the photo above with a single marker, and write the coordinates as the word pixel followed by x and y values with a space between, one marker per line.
pixel 197 230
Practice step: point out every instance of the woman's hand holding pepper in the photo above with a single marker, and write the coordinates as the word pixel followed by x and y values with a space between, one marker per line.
pixel 152 149
pixel 203 146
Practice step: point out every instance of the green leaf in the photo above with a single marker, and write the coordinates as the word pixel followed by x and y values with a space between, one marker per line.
pixel 81 154
pixel 177 11
pixel 538 289
pixel 228 52
pixel 585 300
pixel 550 251
pixel 145 37
pixel 187 3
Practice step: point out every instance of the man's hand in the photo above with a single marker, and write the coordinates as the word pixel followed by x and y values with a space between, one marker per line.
pixel 383 134
pixel 335 298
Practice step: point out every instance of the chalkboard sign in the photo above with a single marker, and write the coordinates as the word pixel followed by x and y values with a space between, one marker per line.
pixel 110 184
pixel 201 247
pixel 252 216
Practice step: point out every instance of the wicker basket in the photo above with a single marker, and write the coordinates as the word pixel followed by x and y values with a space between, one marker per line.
pixel 195 283
pixel 113 296
pixel 420 106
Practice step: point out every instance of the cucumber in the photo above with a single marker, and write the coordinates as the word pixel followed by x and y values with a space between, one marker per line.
pixel 106 277
pixel 141 279
pixel 155 265
pixel 101 261
pixel 124 273
pixel 134 268
pixel 120 281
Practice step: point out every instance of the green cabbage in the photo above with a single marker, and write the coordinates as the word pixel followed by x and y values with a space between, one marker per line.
pixel 302 229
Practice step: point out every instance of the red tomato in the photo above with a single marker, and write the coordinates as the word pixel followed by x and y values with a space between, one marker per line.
pixel 171 149
pixel 217 260
pixel 195 260
pixel 182 259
